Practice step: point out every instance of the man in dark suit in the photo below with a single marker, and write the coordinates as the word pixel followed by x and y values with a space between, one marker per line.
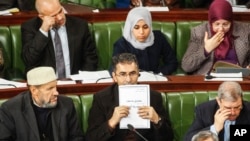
pixel 105 113
pixel 214 115
pixel 38 45
pixel 40 114
pixel 23 5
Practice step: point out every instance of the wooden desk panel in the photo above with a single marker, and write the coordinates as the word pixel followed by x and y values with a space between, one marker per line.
pixel 175 84
pixel 120 15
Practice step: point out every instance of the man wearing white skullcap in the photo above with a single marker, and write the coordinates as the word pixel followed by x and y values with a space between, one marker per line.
pixel 40 113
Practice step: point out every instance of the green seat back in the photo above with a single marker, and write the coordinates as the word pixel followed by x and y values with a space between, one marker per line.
pixel 78 106
pixel 86 105
pixel 105 35
pixel 181 110
pixel 17 61
pixel 5 43
pixel 182 38
pixel 168 29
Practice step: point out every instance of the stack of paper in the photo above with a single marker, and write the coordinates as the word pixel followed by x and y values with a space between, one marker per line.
pixel 93 76
pixel 9 11
pixel 10 84
pixel 148 76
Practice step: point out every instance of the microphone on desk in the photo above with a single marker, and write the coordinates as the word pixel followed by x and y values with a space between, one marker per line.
pixel 102 79
pixel 131 128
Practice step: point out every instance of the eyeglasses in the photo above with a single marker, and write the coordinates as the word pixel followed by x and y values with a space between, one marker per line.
pixel 125 75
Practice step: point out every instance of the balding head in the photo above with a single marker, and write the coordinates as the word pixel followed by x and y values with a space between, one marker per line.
pixel 47 6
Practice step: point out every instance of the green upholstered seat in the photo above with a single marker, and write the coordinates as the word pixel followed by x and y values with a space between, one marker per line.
pixel 183 30
pixel 86 105
pixel 17 62
pixel 78 106
pixel 5 44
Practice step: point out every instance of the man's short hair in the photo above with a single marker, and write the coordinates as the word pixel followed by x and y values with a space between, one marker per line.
pixel 230 91
pixel 203 135
pixel 127 58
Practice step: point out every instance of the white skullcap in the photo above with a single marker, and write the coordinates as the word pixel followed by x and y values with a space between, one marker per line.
pixel 41 75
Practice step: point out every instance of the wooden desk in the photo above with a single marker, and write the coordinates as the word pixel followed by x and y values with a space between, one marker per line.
pixel 104 15
pixel 175 84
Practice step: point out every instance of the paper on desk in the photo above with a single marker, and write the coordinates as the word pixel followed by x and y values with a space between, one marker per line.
pixel 240 8
pixel 157 8
pixel 65 82
pixel 226 77
pixel 9 11
pixel 134 96
pixel 148 76
pixel 93 76
pixel 10 84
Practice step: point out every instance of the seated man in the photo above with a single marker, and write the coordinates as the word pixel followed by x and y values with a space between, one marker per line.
pixel 61 41
pixel 216 115
pixel 40 114
pixel 105 114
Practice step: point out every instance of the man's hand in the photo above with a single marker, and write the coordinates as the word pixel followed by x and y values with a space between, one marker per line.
pixel 118 114
pixel 220 117
pixel 48 23
pixel 148 112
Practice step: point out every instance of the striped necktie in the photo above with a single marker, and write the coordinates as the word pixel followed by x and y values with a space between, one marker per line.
pixel 60 65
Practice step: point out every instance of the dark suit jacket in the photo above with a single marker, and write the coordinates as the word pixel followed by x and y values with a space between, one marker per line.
pixel 102 109
pixel 38 50
pixel 23 5
pixel 195 61
pixel 18 120
pixel 204 118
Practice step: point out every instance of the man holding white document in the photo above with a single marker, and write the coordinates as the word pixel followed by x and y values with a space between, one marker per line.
pixel 107 113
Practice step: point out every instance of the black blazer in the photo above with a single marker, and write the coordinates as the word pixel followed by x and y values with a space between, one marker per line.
pixel 18 120
pixel 38 50
pixel 204 118
pixel 102 109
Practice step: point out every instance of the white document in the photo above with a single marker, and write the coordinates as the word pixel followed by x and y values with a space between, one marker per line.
pixel 4 84
pixel 93 76
pixel 157 8
pixel 226 77
pixel 134 96
pixel 240 8
pixel 148 76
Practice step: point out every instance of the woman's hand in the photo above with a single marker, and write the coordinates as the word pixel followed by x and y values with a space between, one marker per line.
pixel 212 43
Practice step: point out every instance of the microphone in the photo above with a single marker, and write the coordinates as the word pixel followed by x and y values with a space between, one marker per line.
pixel 99 79
pixel 131 128
pixel 209 76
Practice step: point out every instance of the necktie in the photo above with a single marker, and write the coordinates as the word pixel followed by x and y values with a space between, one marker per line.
pixel 227 130
pixel 60 65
